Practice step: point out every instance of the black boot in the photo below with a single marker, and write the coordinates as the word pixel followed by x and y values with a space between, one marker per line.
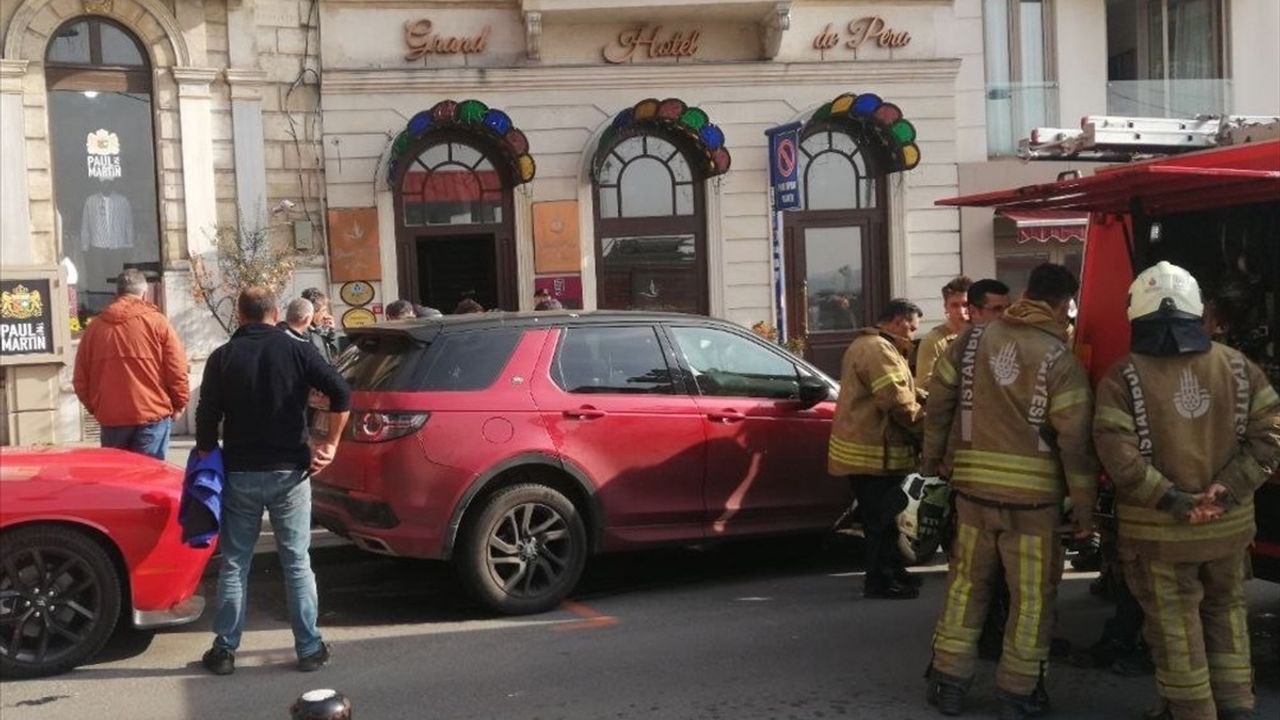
pixel 1236 714
pixel 946 693
pixel 1022 707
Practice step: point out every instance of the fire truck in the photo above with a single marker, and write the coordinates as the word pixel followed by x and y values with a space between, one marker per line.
pixel 1203 194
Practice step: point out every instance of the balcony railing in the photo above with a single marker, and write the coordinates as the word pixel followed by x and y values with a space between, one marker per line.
pixel 1014 109
pixel 1168 98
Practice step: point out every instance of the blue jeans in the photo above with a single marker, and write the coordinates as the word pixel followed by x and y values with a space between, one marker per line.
pixel 147 439
pixel 286 496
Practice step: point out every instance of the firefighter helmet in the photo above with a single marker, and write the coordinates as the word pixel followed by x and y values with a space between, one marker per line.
pixel 1165 289
pixel 920 523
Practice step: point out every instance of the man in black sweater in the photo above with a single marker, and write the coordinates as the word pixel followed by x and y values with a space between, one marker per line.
pixel 256 386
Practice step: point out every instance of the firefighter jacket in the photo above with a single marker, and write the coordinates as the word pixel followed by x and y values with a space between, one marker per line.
pixel 1010 411
pixel 1186 422
pixel 876 427
pixel 933 345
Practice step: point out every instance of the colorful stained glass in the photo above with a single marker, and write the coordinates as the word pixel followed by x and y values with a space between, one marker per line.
pixel 497 121
pixel 470 111
pixel 887 114
pixel 445 111
pixel 903 131
pixel 517 141
pixel 866 104
pixel 878 127
pixel 646 109
pixel 624 118
pixel 693 118
pixel 525 167
pixel 712 136
pixel 400 143
pixel 420 123
pixel 670 109
pixel 720 159
pixel 910 156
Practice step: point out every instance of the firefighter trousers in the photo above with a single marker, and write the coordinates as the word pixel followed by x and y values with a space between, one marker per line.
pixel 1197 628
pixel 1026 544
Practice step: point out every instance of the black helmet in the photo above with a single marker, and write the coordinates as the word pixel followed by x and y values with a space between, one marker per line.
pixel 321 705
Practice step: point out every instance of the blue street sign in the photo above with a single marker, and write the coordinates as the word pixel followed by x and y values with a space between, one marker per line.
pixel 784 165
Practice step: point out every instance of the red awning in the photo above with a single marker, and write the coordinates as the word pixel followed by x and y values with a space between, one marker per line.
pixel 453 185
pixel 1045 226
pixel 1235 175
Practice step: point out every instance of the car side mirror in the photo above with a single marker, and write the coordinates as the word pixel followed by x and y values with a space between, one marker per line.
pixel 812 391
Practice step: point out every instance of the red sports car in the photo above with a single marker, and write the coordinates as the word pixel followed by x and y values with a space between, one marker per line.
pixel 86 535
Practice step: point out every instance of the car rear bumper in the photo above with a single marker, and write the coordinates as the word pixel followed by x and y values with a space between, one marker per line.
pixel 181 613
pixel 372 524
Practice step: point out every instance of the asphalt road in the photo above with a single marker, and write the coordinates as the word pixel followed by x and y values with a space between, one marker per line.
pixel 763 630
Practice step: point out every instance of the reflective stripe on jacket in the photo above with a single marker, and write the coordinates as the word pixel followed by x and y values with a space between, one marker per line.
pixel 1010 410
pixel 877 415
pixel 1186 422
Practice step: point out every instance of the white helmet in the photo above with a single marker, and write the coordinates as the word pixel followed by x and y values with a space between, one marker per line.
pixel 1164 286
pixel 926 497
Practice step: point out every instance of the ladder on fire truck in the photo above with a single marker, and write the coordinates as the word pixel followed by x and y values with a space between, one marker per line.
pixel 1106 138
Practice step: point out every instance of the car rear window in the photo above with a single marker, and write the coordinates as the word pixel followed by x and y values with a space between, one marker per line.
pixel 468 361
pixel 381 362
pixel 465 361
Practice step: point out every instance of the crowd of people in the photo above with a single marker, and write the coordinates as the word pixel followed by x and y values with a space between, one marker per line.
pixel 999 405
pixel 995 402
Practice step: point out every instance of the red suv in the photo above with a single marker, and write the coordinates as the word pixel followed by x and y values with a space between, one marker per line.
pixel 516 445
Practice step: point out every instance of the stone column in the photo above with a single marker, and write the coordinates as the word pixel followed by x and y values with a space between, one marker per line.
pixel 15 209
pixel 250 153
pixel 196 123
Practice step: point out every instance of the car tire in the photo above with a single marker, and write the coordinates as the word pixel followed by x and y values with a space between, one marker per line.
pixel 523 551
pixel 59 597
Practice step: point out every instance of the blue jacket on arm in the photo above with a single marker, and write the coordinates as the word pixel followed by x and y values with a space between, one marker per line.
pixel 200 509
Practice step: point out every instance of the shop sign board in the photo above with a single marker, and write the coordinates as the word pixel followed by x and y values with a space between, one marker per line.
pixel 555 237
pixel 422 39
pixel 651 43
pixel 863 31
pixel 565 288
pixel 353 245
pixel 34 325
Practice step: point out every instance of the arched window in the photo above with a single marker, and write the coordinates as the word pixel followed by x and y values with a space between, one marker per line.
pixel 103 147
pixel 650 227
pixel 835 173
pixel 451 183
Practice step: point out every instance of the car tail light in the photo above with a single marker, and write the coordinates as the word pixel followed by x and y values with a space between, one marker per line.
pixel 368 426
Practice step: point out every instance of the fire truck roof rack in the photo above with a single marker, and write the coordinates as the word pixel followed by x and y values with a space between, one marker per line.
pixel 1106 138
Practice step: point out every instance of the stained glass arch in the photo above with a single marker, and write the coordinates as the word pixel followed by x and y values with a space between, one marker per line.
pixel 487 129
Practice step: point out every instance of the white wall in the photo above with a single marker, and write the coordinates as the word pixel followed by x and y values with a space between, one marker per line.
pixel 1255 57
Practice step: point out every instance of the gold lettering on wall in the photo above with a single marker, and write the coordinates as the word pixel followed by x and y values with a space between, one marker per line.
pixel 861 32
pixel 646 41
pixel 422 40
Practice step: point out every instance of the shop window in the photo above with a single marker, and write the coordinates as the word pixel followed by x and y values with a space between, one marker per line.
pixel 650 238
pixel 1166 58
pixel 103 148
pixel 451 183
pixel 835 172
pixel 1022 91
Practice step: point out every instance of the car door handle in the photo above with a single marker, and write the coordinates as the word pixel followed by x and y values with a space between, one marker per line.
pixel 586 412
pixel 727 416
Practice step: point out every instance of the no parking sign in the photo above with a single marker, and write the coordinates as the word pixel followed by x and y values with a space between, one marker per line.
pixel 784 154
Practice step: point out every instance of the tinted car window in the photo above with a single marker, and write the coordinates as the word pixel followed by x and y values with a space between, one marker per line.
pixel 468 361
pixel 611 360
pixel 380 362
pixel 726 364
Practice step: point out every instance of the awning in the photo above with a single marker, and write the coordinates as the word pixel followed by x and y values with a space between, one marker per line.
pixel 1046 226
pixel 1236 175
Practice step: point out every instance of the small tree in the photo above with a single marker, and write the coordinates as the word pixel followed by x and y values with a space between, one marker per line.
pixel 244 257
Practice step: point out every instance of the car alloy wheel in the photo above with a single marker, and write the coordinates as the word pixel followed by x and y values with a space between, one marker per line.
pixel 59 600
pixel 524 551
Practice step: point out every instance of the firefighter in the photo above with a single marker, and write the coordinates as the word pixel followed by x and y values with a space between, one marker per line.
pixel 1008 420
pixel 1188 429
pixel 955 308
pixel 874 439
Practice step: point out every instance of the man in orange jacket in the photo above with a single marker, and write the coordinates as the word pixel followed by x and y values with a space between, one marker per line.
pixel 131 371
